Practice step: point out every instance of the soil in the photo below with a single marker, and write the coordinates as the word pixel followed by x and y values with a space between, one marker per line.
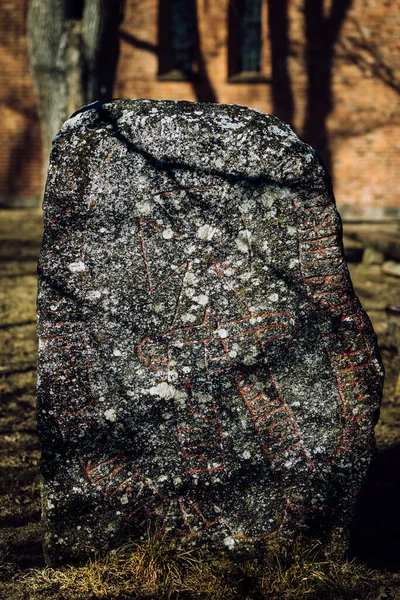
pixel 375 538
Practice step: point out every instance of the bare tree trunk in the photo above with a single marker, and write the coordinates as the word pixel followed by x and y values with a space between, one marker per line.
pixel 47 39
pixel 76 96
pixel 73 57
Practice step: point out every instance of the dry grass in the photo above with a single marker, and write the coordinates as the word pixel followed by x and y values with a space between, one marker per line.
pixel 157 568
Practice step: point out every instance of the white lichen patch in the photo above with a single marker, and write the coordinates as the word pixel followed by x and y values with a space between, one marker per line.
pixel 277 131
pixel 243 240
pixel 207 232
pixel 77 267
pixel 110 415
pixel 266 246
pixel 230 542
pixel 245 276
pixel 205 398
pixel 93 295
pixel 249 359
pixel 167 234
pixel 267 200
pixel 143 208
pixel 172 375
pixel 189 318
pixel 72 122
pixel 163 390
pixel 202 299
pixel 191 278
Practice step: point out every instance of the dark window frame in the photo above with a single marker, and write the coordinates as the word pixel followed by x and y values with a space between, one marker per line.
pixel 242 27
pixel 171 44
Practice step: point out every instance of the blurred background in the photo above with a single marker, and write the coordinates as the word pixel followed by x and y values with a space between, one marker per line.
pixel 331 68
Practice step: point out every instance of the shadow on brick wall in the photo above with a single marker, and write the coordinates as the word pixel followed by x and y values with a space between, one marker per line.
pixel 18 175
pixel 322 32
pixel 282 95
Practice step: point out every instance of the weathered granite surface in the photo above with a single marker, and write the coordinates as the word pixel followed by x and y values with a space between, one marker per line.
pixel 204 363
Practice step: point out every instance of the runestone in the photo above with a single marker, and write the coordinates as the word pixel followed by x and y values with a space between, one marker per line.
pixel 205 367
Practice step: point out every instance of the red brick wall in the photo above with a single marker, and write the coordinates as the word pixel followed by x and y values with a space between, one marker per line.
pixel 20 150
pixel 362 126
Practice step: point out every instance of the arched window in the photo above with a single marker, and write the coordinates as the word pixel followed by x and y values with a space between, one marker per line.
pixel 245 39
pixel 177 38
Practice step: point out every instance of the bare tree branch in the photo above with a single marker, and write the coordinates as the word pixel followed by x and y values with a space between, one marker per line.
pixel 362 51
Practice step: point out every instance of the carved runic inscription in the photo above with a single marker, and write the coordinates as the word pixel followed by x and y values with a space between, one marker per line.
pixel 212 347
pixel 206 345
pixel 213 339
pixel 209 339
pixel 345 342
pixel 203 360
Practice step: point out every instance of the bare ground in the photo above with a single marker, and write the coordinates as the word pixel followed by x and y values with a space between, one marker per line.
pixel 375 539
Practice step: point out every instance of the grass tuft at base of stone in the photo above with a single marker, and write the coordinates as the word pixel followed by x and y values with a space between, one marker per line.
pixel 157 568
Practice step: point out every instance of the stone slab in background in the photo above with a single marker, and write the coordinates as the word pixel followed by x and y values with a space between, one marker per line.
pixel 370 214
pixel 387 243
pixel 372 256
pixel 204 364
pixel 391 267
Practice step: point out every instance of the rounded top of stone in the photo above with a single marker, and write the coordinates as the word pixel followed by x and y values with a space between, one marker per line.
pixel 216 137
